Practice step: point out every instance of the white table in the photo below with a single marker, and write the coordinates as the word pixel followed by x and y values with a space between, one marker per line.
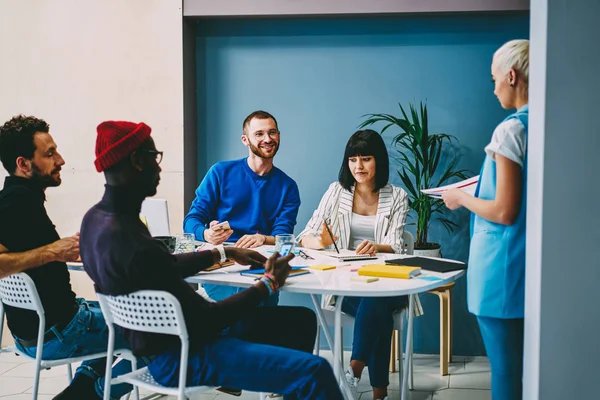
pixel 337 282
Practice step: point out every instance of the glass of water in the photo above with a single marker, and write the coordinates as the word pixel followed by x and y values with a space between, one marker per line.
pixel 185 243
pixel 281 239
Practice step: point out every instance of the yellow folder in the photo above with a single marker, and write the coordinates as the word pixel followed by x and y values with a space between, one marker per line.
pixel 389 271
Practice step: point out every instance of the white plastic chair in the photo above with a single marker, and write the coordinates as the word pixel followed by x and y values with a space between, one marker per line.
pixel 150 311
pixel 348 321
pixel 19 291
pixel 156 212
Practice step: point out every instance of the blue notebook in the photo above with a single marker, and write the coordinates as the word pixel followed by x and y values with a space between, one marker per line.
pixel 257 273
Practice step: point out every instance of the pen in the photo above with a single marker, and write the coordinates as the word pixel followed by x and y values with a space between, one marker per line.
pixel 331 236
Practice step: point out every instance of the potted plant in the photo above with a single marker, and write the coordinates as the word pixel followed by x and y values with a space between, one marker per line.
pixel 420 156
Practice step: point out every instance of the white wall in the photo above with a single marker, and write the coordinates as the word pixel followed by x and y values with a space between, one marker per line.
pixel 76 63
pixel 562 346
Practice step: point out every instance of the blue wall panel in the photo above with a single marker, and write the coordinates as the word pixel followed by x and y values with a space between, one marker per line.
pixel 319 76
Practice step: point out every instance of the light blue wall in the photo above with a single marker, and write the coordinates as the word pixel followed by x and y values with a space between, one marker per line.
pixel 318 76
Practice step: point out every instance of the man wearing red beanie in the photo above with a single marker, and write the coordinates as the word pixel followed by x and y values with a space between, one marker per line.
pixel 29 242
pixel 231 340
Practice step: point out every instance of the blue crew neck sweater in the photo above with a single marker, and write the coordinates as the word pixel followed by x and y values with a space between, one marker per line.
pixel 252 203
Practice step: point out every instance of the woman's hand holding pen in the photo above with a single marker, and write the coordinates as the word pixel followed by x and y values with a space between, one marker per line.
pixel 324 238
pixel 366 247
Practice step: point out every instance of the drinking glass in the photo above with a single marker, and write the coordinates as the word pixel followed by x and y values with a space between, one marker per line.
pixel 185 243
pixel 281 239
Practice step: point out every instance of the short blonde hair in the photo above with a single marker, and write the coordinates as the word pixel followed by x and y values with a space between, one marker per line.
pixel 515 55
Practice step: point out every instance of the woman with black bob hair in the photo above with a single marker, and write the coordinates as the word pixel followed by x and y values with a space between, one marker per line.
pixel 368 215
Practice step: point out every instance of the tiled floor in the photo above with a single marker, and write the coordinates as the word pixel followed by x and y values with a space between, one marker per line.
pixel 469 379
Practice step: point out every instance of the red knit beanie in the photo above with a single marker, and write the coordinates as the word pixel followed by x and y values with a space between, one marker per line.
pixel 116 139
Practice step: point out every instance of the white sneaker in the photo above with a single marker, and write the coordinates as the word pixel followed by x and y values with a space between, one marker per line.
pixel 352 382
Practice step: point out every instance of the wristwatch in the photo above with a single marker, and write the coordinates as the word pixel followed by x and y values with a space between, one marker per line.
pixel 221 251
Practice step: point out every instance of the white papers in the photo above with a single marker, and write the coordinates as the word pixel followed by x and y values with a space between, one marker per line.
pixel 468 186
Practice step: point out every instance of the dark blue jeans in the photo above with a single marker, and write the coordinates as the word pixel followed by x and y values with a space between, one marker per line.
pixel 373 326
pixel 87 333
pixel 503 339
pixel 269 350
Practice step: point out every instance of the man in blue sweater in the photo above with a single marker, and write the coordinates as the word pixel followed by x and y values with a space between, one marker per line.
pixel 257 199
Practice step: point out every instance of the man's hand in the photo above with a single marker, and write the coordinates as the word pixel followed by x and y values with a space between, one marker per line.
pixel 251 241
pixel 324 238
pixel 246 257
pixel 366 247
pixel 452 198
pixel 216 236
pixel 65 250
pixel 279 267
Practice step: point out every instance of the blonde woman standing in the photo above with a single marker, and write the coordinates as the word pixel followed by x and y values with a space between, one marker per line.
pixel 496 274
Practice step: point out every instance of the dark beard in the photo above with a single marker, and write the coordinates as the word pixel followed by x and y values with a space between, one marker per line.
pixel 45 180
pixel 258 152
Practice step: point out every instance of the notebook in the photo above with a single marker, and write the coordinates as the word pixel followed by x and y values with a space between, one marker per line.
pixel 389 271
pixel 351 257
pixel 257 273
pixel 430 264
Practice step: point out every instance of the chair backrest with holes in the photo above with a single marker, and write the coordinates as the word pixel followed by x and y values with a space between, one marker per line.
pixel 151 311
pixel 408 243
pixel 19 291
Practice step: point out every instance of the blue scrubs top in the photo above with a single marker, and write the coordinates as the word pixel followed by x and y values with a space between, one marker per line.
pixel 496 273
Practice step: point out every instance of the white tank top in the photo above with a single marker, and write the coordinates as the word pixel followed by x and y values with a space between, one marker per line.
pixel 362 227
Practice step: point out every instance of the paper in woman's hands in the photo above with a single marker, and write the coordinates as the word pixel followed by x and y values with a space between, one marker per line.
pixel 468 186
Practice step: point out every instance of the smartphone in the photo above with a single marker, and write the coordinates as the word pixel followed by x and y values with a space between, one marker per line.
pixel 221 226
pixel 286 248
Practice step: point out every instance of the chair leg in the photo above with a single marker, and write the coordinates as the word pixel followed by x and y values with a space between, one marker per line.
pixel 317 348
pixel 443 333
pixel 69 373
pixel 36 381
pixel 449 296
pixel 342 349
pixel 393 352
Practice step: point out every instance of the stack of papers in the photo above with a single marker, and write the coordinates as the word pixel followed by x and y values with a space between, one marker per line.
pixel 468 186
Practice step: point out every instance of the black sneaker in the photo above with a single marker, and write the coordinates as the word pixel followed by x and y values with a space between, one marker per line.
pixel 81 387
pixel 233 392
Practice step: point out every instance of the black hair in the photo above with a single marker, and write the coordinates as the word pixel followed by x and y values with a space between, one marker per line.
pixel 366 143
pixel 16 139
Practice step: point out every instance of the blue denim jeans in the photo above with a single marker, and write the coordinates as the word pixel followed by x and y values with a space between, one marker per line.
pixel 220 292
pixel 373 327
pixel 270 350
pixel 87 333
pixel 503 339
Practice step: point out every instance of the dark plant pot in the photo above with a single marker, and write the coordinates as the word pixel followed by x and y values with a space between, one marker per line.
pixel 168 241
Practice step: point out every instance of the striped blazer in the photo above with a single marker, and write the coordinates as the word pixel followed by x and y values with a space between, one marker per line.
pixel 336 207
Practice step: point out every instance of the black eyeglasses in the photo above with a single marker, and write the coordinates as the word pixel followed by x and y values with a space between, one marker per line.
pixel 305 256
pixel 157 154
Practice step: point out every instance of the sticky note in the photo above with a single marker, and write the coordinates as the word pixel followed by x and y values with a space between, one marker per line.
pixel 322 267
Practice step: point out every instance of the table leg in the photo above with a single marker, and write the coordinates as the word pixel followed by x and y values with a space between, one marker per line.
pixel 337 353
pixel 335 346
pixel 409 338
